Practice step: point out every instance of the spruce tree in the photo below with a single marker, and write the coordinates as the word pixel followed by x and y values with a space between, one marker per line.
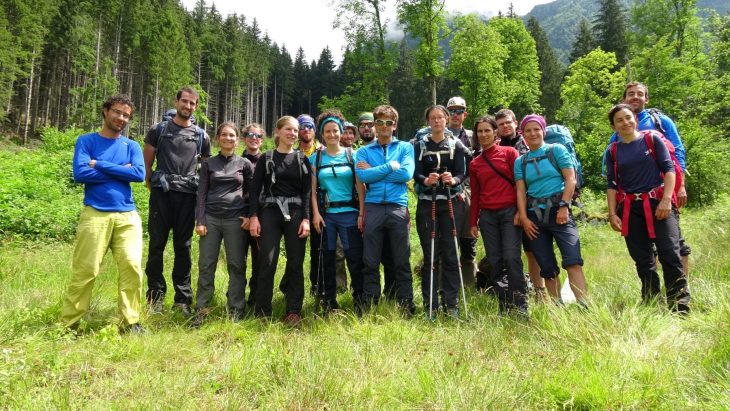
pixel 610 27
pixel 550 68
pixel 584 42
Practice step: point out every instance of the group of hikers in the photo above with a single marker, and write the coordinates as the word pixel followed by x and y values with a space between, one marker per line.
pixel 345 187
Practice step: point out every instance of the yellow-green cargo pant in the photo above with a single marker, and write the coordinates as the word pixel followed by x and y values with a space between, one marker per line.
pixel 97 232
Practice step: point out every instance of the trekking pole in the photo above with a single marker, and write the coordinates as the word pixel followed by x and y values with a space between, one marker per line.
pixel 456 247
pixel 433 241
pixel 320 273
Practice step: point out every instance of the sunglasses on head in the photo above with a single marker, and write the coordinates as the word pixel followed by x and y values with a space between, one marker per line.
pixel 384 122
pixel 455 111
pixel 253 135
pixel 306 127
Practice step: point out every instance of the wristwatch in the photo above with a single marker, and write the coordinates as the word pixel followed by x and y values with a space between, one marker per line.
pixel 564 203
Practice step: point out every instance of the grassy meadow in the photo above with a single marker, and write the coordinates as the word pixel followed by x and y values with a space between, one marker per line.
pixel 618 355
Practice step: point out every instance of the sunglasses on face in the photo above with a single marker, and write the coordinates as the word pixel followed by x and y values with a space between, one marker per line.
pixel 384 122
pixel 306 127
pixel 253 135
pixel 368 124
pixel 455 111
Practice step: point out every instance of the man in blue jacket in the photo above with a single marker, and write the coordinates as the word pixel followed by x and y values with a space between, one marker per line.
pixel 636 95
pixel 385 167
pixel 106 163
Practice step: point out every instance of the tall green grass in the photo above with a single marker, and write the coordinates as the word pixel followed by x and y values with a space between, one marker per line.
pixel 618 355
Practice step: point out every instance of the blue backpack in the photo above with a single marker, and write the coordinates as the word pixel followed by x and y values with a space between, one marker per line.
pixel 559 134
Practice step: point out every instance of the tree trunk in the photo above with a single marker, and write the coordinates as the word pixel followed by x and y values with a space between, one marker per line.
pixel 29 96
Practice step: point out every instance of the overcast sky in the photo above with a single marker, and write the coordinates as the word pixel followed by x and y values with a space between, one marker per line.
pixel 308 23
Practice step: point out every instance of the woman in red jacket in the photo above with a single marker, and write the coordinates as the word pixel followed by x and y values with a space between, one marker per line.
pixel 494 213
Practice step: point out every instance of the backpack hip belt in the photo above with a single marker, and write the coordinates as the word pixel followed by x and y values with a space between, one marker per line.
pixel 535 204
pixel 655 193
pixel 282 203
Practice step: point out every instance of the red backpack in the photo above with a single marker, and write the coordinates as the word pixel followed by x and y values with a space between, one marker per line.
pixel 647 135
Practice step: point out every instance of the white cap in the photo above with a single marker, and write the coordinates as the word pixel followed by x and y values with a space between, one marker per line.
pixel 456 102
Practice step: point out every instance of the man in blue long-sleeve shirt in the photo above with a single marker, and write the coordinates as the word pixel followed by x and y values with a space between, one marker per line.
pixel 636 95
pixel 106 163
pixel 385 167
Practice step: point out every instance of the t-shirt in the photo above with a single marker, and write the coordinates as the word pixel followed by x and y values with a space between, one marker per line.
pixel 542 178
pixel 223 182
pixel 337 181
pixel 106 185
pixel 177 152
pixel 638 171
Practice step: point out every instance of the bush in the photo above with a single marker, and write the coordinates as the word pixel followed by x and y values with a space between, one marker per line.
pixel 707 164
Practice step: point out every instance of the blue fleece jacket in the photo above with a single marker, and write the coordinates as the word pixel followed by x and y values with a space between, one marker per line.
pixel 119 161
pixel 384 184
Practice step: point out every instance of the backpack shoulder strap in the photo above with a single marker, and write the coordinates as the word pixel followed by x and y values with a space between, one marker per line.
pixel 421 147
pixel 161 130
pixel 452 147
pixel 551 157
pixel 200 134
pixel 656 117
pixel 302 168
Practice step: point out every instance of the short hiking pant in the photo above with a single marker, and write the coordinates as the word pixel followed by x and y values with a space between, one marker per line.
pixel 97 232
pixel 564 235
pixel 172 210
pixel 228 231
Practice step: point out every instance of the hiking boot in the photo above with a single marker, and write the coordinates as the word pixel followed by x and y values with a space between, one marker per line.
pixel 329 306
pixel 198 320
pixel 293 319
pixel 134 329
pixel 434 312
pixel 183 308
pixel 407 308
pixel 156 306
pixel 236 315
pixel 681 309
pixel 453 312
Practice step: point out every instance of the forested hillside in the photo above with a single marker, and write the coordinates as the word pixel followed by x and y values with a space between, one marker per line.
pixel 561 18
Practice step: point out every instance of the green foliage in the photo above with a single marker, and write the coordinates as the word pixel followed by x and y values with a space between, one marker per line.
pixel 476 62
pixel 707 162
pixel 38 198
pixel 426 21
pixel 521 70
pixel 590 89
